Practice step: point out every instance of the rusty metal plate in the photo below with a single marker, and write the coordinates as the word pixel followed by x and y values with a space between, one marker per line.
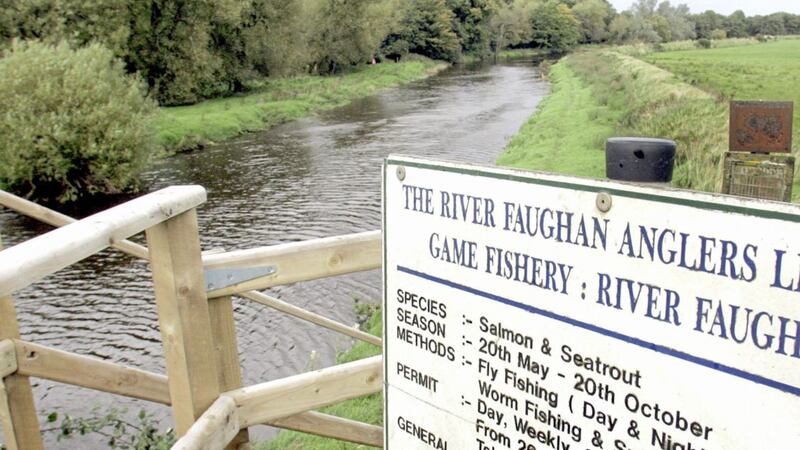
pixel 762 127
pixel 767 177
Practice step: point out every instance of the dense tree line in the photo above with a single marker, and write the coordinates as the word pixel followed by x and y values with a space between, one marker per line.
pixel 187 50
pixel 80 76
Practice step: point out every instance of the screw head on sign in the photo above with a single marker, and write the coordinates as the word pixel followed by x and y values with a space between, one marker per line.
pixel 603 201
pixel 401 173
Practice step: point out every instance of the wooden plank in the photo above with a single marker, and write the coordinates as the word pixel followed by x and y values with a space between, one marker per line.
pixel 217 427
pixel 35 360
pixel 226 350
pixel 5 417
pixel 288 396
pixel 34 210
pixel 309 316
pixel 301 261
pixel 8 358
pixel 183 317
pixel 214 430
pixel 56 219
pixel 20 423
pixel 320 424
pixel 36 258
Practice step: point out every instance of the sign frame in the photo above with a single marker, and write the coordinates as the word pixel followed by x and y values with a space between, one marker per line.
pixel 402 167
pixel 750 122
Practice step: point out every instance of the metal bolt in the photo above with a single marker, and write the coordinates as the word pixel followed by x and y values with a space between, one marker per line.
pixel 603 201
pixel 401 173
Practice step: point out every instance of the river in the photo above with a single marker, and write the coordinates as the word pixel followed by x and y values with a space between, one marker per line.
pixel 310 178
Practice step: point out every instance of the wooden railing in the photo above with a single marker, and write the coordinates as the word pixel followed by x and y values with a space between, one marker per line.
pixel 203 384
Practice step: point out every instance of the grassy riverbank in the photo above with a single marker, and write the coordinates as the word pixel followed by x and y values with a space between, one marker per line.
pixel 765 72
pixel 603 93
pixel 681 95
pixel 274 101
pixel 367 409
pixel 514 53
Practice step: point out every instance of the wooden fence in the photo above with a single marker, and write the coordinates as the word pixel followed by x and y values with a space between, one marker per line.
pixel 203 383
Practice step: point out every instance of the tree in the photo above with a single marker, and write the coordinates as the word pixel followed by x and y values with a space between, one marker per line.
pixel 78 22
pixel 74 124
pixel 621 27
pixel 640 23
pixel 276 37
pixel 661 26
pixel 594 16
pixel 681 26
pixel 791 23
pixel 736 25
pixel 171 47
pixel 511 25
pixel 425 29
pixel 773 25
pixel 554 27
pixel 471 23
pixel 342 34
pixel 718 34
pixel 707 22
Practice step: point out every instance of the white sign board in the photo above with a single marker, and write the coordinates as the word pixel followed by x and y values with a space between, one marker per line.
pixel 519 315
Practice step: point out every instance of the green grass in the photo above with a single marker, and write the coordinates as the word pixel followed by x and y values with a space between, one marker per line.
pixel 769 71
pixel 598 94
pixel 274 101
pixel 641 49
pixel 367 409
pixel 567 133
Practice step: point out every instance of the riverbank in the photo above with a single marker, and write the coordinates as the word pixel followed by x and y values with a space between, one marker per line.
pixel 367 409
pixel 599 93
pixel 274 101
pixel 505 55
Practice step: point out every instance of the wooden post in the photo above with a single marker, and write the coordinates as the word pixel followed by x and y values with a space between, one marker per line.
pixel 183 317
pixel 20 424
pixel 226 350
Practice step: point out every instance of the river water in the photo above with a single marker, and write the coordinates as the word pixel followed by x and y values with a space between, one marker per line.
pixel 310 178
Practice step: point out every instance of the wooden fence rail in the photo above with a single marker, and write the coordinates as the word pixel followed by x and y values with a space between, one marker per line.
pixel 281 398
pixel 34 360
pixel 29 261
pixel 364 248
pixel 301 261
pixel 198 332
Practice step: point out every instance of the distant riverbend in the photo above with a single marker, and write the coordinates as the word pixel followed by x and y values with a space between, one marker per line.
pixel 271 102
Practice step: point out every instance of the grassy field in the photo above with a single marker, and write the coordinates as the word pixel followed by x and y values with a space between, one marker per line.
pixel 768 71
pixel 568 133
pixel 680 94
pixel 641 49
pixel 364 409
pixel 598 94
pixel 271 102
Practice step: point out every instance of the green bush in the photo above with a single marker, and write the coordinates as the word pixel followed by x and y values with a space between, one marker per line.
pixel 74 125
pixel 719 34
pixel 703 43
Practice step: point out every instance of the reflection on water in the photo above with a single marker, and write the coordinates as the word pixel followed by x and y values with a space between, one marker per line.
pixel 310 178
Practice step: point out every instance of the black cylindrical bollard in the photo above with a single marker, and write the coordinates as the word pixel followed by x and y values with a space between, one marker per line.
pixel 643 160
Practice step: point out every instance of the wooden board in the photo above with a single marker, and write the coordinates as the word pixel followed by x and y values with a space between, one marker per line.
pixel 183 317
pixel 29 261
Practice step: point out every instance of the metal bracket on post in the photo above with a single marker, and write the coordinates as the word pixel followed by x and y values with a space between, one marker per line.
pixel 222 278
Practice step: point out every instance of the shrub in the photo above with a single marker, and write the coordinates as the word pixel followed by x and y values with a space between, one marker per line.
pixel 703 43
pixel 74 125
pixel 718 34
